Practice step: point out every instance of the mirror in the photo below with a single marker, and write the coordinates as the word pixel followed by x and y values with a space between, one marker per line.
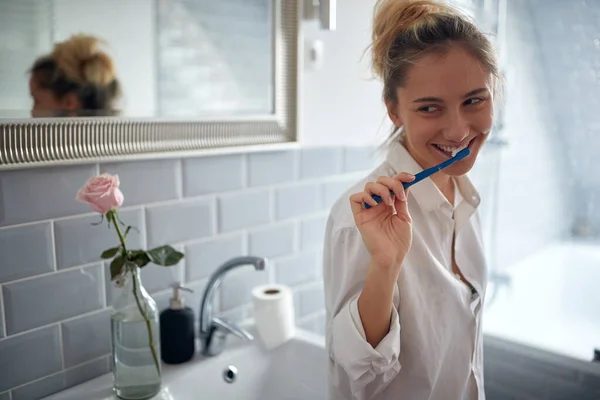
pixel 167 58
pixel 111 79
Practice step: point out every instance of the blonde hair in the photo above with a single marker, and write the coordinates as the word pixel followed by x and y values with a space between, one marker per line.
pixel 80 65
pixel 404 31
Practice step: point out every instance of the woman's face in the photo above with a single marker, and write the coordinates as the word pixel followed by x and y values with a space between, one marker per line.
pixel 445 105
pixel 46 104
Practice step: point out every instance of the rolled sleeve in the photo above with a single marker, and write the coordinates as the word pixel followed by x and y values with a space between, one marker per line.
pixel 357 370
pixel 356 356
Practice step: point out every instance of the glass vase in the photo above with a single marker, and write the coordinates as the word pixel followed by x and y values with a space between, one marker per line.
pixel 135 332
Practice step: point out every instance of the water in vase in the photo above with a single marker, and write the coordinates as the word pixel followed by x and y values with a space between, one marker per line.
pixel 134 368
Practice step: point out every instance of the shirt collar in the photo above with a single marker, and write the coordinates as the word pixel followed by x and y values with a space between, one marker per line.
pixel 428 196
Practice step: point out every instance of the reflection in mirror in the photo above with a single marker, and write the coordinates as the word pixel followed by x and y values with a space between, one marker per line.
pixel 76 78
pixel 137 58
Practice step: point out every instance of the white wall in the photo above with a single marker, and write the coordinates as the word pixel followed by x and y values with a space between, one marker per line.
pixel 341 101
pixel 130 39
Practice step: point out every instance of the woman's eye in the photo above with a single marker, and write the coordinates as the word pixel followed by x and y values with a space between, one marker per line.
pixel 428 109
pixel 474 100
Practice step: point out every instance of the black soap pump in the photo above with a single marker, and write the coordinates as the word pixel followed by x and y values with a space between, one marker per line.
pixel 177 339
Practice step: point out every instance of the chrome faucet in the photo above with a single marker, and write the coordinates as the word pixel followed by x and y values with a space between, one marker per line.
pixel 214 330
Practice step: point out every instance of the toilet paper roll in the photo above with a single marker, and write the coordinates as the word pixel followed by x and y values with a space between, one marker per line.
pixel 273 307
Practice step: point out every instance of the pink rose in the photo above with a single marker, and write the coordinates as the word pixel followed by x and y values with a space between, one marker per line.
pixel 102 193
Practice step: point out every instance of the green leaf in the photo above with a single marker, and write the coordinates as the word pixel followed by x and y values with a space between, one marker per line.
pixel 139 257
pixel 116 267
pixel 165 256
pixel 110 253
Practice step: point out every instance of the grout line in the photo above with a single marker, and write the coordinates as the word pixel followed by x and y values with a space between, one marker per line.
pixel 215 217
pixel 256 228
pixel 295 288
pixel 103 285
pixel 61 346
pixel 60 372
pixel 66 218
pixel 53 242
pixel 287 257
pixel 143 230
pixel 282 185
pixel 60 271
pixel 108 364
pixel 183 265
pixel 26 224
pixel 7 393
pixel 73 318
pixel 179 178
pixel 107 355
pixel 32 330
pixel 245 171
pixel 210 238
pixel 3 310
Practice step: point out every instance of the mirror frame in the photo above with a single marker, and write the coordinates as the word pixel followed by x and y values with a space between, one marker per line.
pixel 63 141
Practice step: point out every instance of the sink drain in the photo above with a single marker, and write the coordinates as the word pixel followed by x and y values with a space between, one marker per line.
pixel 229 374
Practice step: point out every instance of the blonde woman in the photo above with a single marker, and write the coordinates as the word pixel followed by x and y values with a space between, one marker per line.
pixel 405 279
pixel 77 78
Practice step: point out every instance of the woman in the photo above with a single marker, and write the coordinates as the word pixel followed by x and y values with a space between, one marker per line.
pixel 405 279
pixel 76 78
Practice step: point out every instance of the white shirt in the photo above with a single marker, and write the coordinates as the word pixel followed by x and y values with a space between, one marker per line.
pixel 434 347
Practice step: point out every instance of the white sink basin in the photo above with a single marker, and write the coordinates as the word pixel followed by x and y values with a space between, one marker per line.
pixel 296 370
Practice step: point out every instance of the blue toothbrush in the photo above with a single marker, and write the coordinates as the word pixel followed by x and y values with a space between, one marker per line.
pixel 429 171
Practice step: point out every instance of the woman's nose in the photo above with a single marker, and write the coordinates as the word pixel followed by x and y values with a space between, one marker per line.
pixel 457 129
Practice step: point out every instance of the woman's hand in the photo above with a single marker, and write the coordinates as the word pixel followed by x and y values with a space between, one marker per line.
pixel 386 228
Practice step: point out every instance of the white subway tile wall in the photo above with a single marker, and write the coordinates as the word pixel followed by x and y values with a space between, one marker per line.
pixel 55 289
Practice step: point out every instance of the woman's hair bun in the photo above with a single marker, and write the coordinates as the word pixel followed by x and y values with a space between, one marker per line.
pixel 393 17
pixel 83 60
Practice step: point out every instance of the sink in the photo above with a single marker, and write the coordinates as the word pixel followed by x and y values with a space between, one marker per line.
pixel 296 370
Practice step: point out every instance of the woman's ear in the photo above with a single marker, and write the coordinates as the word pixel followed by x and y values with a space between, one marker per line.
pixel 393 112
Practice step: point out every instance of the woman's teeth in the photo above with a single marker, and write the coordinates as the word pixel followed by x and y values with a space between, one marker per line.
pixel 451 150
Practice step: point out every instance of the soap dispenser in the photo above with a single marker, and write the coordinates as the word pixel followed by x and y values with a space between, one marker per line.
pixel 177 339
